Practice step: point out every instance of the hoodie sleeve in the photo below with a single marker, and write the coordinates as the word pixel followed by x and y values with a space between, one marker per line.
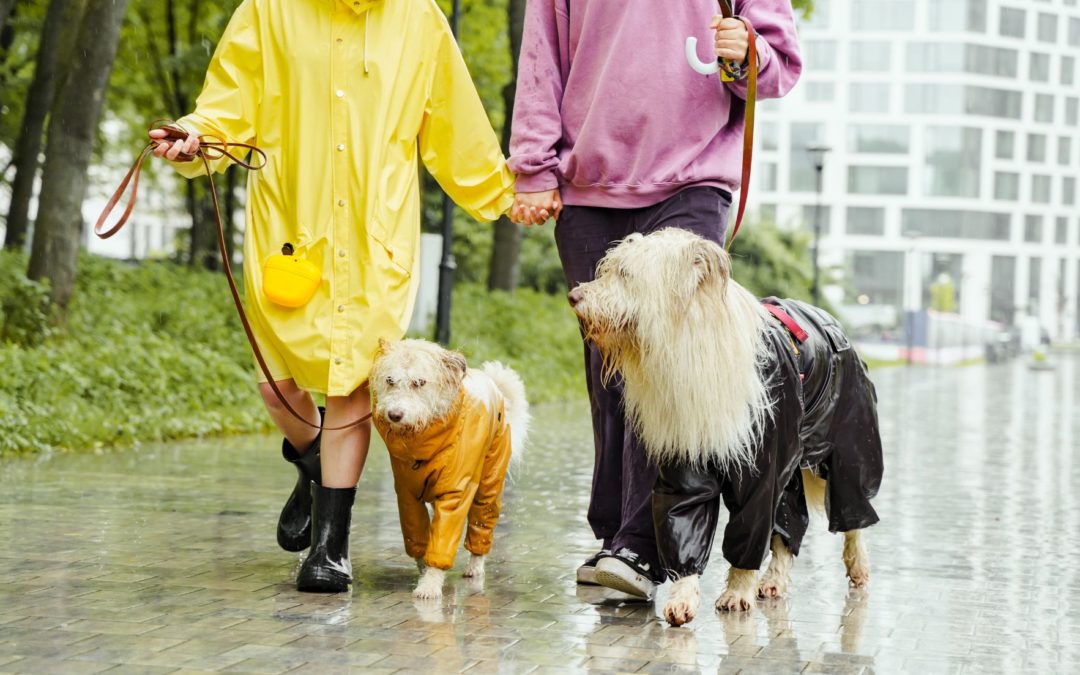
pixel 230 97
pixel 537 128
pixel 457 143
pixel 779 59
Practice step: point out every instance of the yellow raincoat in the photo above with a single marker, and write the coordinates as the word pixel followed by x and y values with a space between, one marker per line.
pixel 458 465
pixel 344 96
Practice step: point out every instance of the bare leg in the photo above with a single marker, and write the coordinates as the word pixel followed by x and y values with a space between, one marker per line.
pixel 345 451
pixel 740 591
pixel 299 435
pixel 778 575
pixel 856 559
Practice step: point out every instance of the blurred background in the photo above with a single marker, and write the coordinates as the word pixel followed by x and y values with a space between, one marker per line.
pixel 920 182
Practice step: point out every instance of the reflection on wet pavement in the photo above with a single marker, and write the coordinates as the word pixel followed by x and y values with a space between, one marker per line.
pixel 163 559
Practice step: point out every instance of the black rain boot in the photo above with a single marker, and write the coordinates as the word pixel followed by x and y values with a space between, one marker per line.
pixel 327 568
pixel 294 524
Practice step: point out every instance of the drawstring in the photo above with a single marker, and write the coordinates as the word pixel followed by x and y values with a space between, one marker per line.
pixel 367 16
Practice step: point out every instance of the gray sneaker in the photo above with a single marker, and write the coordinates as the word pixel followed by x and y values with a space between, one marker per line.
pixel 625 571
pixel 586 574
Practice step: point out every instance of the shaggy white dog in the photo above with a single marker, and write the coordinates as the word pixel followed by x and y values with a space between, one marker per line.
pixel 713 385
pixel 452 433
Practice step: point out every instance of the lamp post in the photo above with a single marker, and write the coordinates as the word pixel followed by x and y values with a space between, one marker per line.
pixel 912 290
pixel 448 264
pixel 817 156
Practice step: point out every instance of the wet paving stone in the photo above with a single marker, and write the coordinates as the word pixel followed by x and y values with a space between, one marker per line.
pixel 162 559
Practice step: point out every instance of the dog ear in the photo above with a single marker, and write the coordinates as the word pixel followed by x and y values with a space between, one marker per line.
pixel 456 364
pixel 711 260
pixel 384 346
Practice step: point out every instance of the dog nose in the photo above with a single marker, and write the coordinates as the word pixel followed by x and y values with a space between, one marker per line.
pixel 575 297
pixel 395 415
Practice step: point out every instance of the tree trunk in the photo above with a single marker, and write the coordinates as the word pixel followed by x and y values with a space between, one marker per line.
pixel 72 129
pixel 505 266
pixel 228 203
pixel 61 23
pixel 5 11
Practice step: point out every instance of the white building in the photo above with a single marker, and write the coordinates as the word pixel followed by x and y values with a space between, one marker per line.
pixel 955 148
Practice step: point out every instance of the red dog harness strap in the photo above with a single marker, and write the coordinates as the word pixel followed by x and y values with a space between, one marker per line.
pixel 792 325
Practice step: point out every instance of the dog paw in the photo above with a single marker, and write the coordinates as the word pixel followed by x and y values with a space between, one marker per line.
pixel 735 601
pixel 772 586
pixel 859 576
pixel 430 585
pixel 683 601
pixel 475 568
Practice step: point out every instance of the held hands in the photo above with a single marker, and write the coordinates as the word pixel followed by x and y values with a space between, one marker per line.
pixel 535 208
pixel 170 150
pixel 732 39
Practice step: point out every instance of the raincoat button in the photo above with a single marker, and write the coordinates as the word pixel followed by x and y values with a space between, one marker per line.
pixel 338 361
pixel 341 202
pixel 340 308
pixel 341 147
pixel 340 93
pixel 341 253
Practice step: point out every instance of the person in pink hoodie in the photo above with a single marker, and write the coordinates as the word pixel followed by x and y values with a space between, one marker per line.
pixel 614 133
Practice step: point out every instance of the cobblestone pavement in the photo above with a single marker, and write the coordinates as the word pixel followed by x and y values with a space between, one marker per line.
pixel 163 559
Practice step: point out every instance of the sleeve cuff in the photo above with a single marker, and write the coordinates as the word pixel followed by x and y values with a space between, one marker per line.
pixel 537 182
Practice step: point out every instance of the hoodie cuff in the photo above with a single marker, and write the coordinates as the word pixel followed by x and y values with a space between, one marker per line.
pixel 538 182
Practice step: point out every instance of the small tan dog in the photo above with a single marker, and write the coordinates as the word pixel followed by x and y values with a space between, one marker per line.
pixel 452 433
pixel 731 396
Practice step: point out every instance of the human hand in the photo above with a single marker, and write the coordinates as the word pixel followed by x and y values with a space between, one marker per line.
pixel 732 39
pixel 171 150
pixel 535 208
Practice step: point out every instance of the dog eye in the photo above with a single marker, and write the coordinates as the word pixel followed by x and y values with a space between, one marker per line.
pixel 390 382
pixel 418 383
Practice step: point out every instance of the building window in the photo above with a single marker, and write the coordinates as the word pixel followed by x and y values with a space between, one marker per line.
pixel 871 57
pixel 879 138
pixel 1033 229
pixel 769 133
pixel 819 55
pixel 1034 285
pixel 884 15
pixel 1072 107
pixel 1068 191
pixel 868 97
pixel 803 177
pixel 1036 148
pixel 993 102
pixel 877 180
pixel 1006 186
pixel 1074 32
pixel 820 92
pixel 866 221
pixel 1064 150
pixel 1039 68
pixel 1005 145
pixel 1068 70
pixel 810 214
pixel 958 15
pixel 1048 28
pixel 953 163
pixel 821 16
pixel 878 275
pixel 767 212
pixel 768 178
pixel 947 224
pixel 1002 285
pixel 1040 189
pixel 954 57
pixel 1061 231
pixel 1012 22
pixel 1044 108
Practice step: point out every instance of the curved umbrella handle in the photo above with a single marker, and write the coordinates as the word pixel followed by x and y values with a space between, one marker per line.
pixel 696 63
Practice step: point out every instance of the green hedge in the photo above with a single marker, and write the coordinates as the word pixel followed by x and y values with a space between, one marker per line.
pixel 154 352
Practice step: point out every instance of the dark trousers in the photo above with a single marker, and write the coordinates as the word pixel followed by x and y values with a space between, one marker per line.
pixel 620 508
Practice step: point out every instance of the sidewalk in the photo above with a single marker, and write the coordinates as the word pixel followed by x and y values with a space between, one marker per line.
pixel 163 560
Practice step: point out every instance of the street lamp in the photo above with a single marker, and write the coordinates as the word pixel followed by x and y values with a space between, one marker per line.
pixel 817 156
pixel 912 290
pixel 448 264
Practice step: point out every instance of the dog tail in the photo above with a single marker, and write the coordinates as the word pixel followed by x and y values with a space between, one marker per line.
pixel 814 487
pixel 517 405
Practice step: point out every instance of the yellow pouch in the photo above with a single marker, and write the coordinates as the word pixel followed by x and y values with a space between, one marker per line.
pixel 290 280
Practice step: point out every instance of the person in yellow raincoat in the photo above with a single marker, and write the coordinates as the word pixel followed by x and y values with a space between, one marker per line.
pixel 344 96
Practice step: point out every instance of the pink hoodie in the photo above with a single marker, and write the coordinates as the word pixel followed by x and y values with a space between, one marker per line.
pixel 609 110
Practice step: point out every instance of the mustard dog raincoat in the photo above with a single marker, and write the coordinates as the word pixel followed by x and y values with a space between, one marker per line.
pixel 458 465
pixel 345 96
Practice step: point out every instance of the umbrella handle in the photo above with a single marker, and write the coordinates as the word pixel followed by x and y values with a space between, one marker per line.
pixel 697 64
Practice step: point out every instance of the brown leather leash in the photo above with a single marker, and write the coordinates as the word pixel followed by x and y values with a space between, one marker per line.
pixel 211 148
pixel 727 12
